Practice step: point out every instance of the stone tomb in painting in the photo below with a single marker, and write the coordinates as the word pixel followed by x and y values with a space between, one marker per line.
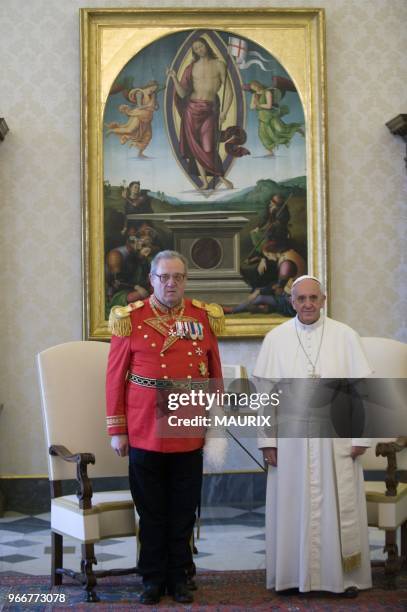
pixel 211 243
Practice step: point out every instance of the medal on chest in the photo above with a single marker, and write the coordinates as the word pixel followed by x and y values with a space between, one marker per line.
pixel 175 328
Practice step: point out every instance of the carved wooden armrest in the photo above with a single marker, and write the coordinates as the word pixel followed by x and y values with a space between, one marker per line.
pixel 82 460
pixel 389 450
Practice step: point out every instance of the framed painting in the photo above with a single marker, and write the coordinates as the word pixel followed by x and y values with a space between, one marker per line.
pixel 204 132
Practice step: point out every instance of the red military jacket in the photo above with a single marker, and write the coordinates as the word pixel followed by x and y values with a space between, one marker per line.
pixel 151 349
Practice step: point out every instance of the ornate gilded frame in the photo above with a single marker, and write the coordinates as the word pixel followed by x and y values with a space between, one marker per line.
pixel 110 37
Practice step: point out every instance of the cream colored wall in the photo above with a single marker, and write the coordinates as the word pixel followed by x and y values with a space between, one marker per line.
pixel 40 211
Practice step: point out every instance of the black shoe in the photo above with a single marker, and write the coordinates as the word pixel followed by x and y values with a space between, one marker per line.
pixel 288 592
pixel 191 585
pixel 151 594
pixel 350 593
pixel 181 593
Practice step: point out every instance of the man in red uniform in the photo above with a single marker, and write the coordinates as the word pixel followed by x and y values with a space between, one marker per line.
pixel 155 343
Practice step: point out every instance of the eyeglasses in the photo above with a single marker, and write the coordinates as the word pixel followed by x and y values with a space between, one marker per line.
pixel 177 277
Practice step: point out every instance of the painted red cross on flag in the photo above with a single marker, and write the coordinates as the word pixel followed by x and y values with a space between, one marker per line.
pixel 237 48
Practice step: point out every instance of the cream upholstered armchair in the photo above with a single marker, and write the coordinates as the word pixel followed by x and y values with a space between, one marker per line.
pixel 387 498
pixel 72 384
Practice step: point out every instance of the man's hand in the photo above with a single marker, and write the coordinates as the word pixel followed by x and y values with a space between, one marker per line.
pixel 120 445
pixel 261 268
pixel 252 296
pixel 357 450
pixel 270 456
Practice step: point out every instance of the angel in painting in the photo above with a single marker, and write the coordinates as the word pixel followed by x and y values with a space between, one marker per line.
pixel 272 130
pixel 137 131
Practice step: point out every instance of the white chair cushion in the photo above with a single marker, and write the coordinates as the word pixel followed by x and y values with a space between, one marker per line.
pixel 112 515
pixel 385 512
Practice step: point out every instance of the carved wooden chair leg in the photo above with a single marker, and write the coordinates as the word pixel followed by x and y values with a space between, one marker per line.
pixel 404 543
pixel 89 578
pixel 56 557
pixel 392 563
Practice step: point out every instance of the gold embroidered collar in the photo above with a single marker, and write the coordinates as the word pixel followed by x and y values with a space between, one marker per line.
pixel 164 310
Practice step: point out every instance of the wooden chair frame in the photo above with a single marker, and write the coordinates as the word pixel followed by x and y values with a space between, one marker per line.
pixel 394 561
pixel 87 576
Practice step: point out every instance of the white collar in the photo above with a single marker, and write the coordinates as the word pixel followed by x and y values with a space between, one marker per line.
pixel 310 326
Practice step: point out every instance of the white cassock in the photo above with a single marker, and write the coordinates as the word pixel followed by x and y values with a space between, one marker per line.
pixel 304 541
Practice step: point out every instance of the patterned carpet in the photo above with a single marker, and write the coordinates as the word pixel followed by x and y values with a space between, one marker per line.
pixel 228 591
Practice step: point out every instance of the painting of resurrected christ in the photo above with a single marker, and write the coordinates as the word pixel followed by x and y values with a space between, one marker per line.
pixel 202 114
pixel 211 130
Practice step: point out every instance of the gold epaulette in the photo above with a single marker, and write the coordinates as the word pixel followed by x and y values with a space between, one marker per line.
pixel 216 316
pixel 119 318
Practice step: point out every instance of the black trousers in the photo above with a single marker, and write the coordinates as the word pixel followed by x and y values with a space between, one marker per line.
pixel 166 489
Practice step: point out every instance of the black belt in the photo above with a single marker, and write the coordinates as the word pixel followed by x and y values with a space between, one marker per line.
pixel 163 383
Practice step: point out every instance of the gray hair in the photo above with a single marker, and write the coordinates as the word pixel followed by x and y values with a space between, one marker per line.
pixel 167 254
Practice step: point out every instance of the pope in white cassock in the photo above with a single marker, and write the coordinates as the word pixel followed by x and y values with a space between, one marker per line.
pixel 316 523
